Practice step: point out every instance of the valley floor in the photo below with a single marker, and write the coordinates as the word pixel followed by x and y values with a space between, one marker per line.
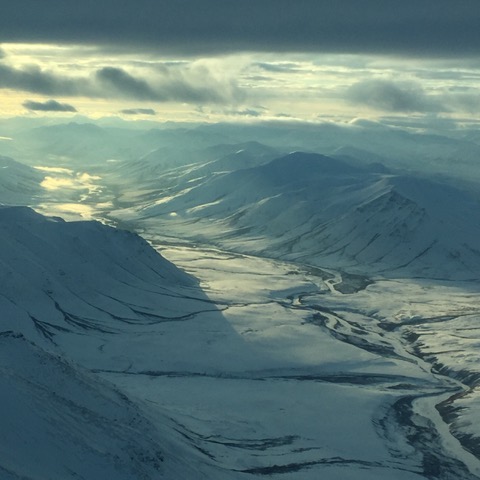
pixel 293 379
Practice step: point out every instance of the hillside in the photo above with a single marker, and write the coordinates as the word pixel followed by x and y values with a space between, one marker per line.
pixel 19 183
pixel 77 296
pixel 325 211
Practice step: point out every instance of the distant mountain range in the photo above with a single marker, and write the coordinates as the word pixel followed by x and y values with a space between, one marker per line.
pixel 84 142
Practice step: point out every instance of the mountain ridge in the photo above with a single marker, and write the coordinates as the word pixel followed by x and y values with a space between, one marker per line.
pixel 323 211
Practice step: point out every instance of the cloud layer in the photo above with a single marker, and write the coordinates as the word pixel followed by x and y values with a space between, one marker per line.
pixel 48 106
pixel 393 96
pixel 409 27
pixel 138 111
pixel 188 83
pixel 400 97
pixel 35 80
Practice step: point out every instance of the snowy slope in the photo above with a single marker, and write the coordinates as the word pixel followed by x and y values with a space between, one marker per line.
pixel 76 297
pixel 59 422
pixel 19 183
pixel 79 276
pixel 235 155
pixel 320 210
pixel 170 166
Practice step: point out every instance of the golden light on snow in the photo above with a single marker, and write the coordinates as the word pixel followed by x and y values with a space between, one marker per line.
pixel 64 178
pixel 55 183
pixel 68 211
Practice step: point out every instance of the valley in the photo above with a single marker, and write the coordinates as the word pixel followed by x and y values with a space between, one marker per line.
pixel 239 240
pixel 307 317
pixel 324 341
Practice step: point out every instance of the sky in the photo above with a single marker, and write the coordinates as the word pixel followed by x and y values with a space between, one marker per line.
pixel 242 60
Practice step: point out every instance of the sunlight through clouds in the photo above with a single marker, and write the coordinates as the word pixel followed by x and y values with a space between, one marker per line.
pixel 310 61
pixel 239 86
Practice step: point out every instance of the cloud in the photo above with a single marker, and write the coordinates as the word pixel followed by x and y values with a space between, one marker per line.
pixel 125 84
pixel 179 82
pixel 410 27
pixel 410 97
pixel 278 67
pixel 246 112
pixel 35 80
pixel 393 96
pixel 138 111
pixel 48 106
pixel 466 101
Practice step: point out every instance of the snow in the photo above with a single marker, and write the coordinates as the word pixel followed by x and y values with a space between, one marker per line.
pixel 19 184
pixel 60 422
pixel 317 316
pixel 318 210
pixel 248 341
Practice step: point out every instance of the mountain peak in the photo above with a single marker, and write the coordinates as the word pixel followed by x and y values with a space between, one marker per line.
pixel 304 166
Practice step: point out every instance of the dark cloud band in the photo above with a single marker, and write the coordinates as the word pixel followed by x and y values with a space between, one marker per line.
pixel 172 84
pixel 125 84
pixel 33 79
pixel 138 111
pixel 410 27
pixel 48 106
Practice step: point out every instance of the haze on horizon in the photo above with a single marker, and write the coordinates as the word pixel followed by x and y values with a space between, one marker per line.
pixel 214 60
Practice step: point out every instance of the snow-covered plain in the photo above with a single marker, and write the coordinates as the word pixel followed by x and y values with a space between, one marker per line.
pixel 297 362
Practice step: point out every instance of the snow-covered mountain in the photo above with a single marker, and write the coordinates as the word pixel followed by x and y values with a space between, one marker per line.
pixel 84 142
pixel 76 144
pixel 69 291
pixel 19 183
pixel 62 277
pixel 325 211
pixel 173 166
